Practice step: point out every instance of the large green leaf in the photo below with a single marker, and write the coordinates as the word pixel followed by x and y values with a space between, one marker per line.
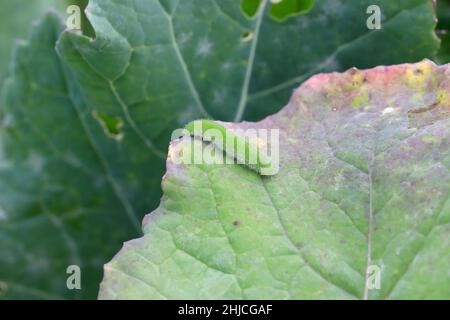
pixel 16 19
pixel 58 196
pixel 363 181
pixel 206 58
pixel 85 131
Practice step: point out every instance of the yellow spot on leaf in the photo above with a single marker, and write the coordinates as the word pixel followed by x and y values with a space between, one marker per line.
pixel 417 76
pixel 443 98
pixel 431 139
pixel 361 100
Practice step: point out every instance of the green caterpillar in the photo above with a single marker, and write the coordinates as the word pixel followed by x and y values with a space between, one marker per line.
pixel 233 145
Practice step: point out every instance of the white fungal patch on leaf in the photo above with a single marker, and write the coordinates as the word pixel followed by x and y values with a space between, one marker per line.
pixel 227 66
pixel 8 120
pixel 36 162
pixel 4 164
pixel 204 47
pixel 303 23
pixel 219 96
pixel 333 8
pixel 73 159
pixel 184 38
pixel 38 265
pixel 3 215
pixel 188 113
pixel 331 64
pixel 2 149
pixel 99 182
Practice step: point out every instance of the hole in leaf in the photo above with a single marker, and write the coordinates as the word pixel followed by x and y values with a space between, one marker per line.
pixel 280 10
pixel 111 125
pixel 247 36
pixel 250 7
pixel 284 9
pixel 86 27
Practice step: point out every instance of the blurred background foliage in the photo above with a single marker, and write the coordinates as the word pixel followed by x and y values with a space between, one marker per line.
pixel 16 21
pixel 443 30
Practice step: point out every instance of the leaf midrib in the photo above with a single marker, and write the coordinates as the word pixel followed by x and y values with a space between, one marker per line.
pixel 250 63
pixel 107 172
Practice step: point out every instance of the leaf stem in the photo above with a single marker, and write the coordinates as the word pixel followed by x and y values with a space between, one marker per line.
pixel 251 60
